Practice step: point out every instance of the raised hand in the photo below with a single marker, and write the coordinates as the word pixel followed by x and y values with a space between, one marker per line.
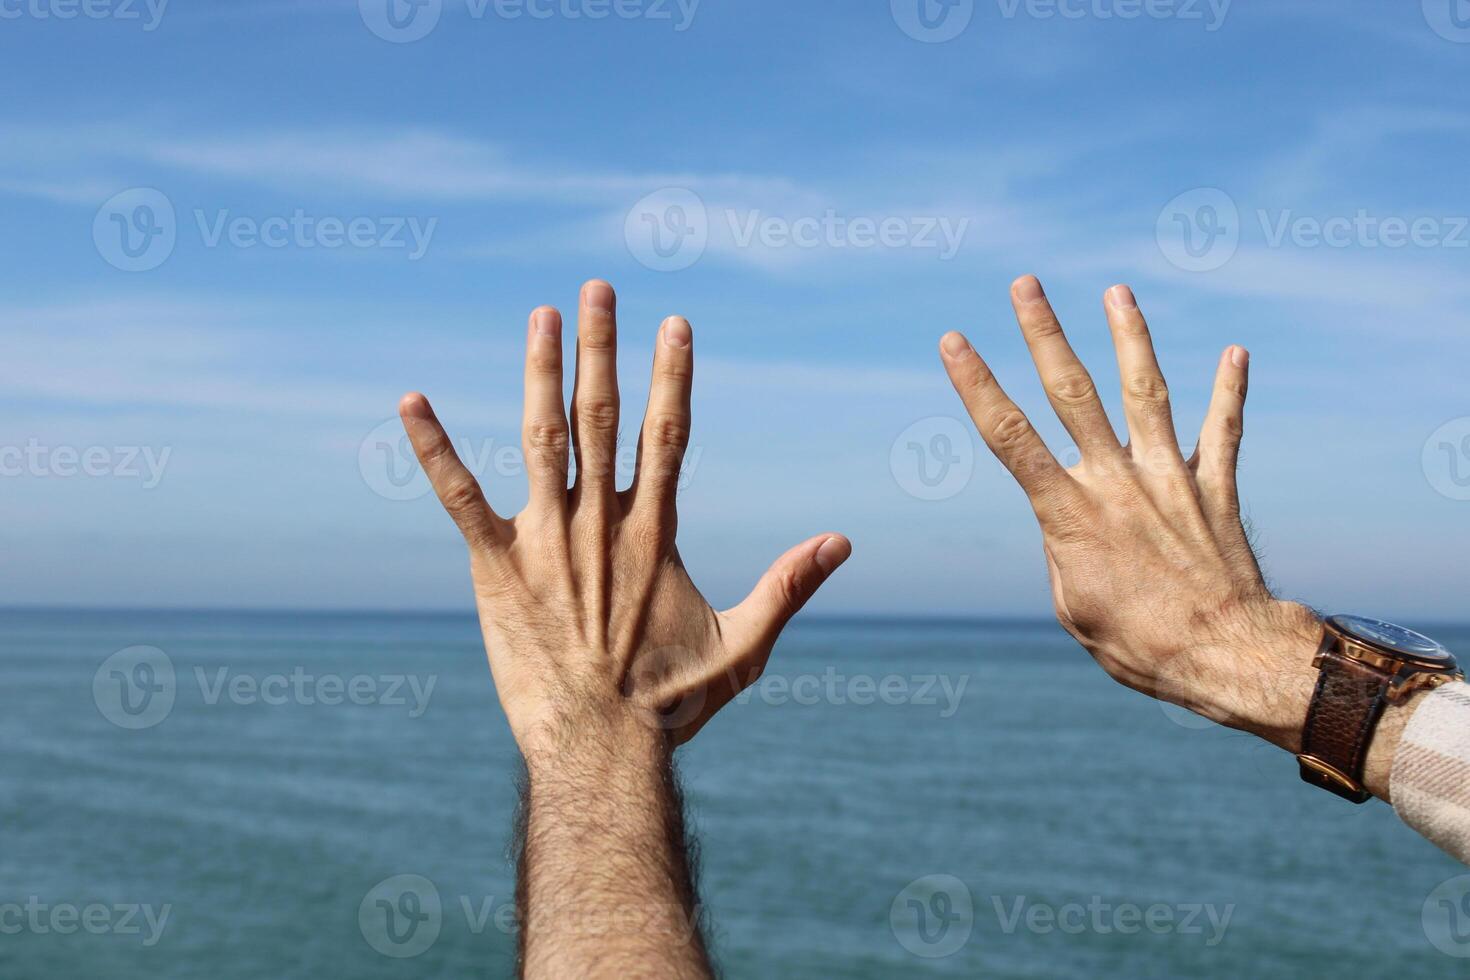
pixel 1151 569
pixel 586 610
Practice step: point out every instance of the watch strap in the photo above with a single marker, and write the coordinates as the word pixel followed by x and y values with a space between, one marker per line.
pixel 1346 705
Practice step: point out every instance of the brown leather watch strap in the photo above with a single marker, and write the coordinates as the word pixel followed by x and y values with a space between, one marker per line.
pixel 1346 705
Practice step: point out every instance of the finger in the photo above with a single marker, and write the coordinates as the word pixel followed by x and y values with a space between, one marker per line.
pixel 1219 439
pixel 1068 385
pixel 1003 426
pixel 544 421
pixel 595 393
pixel 1145 395
pixel 456 487
pixel 1216 459
pixel 666 423
pixel 787 585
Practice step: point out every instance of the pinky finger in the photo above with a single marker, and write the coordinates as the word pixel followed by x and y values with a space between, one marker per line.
pixel 1219 441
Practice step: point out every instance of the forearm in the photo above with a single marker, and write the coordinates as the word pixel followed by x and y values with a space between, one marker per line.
pixel 605 881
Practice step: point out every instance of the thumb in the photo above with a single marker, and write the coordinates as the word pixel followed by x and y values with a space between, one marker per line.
pixel 783 590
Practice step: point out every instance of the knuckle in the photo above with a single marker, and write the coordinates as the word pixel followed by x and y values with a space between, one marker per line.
pixel 1234 387
pixel 544 363
pixel 599 413
pixel 1073 388
pixel 1011 429
pixel 438 449
pixel 678 370
pixel 547 438
pixel 1133 326
pixel 1232 426
pixel 598 336
pixel 1044 326
pixel 461 496
pixel 668 430
pixel 789 589
pixel 1148 389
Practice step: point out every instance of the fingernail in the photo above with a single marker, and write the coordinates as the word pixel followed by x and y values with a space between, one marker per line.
pixel 546 325
pixel 954 344
pixel 1239 356
pixel 1120 297
pixel 677 332
pixel 415 405
pixel 1028 289
pixel 598 295
pixel 833 552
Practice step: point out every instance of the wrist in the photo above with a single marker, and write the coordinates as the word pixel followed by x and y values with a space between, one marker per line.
pixel 1262 678
pixel 614 736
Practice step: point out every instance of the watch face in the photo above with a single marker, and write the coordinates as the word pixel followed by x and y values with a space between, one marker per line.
pixel 1391 637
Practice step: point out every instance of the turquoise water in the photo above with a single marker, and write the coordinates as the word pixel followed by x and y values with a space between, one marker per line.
pixel 1042 792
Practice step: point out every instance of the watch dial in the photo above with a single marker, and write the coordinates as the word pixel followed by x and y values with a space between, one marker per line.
pixel 1392 637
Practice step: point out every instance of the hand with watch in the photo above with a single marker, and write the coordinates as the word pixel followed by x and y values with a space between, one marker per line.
pixel 1152 570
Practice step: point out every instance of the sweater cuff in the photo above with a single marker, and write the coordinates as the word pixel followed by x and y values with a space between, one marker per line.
pixel 1430 780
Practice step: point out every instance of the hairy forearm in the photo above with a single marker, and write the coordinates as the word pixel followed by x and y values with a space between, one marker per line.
pixel 1274 680
pixel 606 884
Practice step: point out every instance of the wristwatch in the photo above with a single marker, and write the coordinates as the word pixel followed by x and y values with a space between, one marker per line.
pixel 1364 665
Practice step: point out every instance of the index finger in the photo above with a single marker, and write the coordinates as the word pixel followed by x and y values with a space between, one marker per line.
pixel 1003 426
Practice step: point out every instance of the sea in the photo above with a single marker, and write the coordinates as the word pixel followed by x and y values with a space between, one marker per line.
pixel 223 795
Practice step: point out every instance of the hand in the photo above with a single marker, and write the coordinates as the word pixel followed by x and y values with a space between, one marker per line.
pixel 1151 569
pixel 587 611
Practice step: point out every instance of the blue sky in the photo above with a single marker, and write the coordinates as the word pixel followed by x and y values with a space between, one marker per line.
pixel 851 187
